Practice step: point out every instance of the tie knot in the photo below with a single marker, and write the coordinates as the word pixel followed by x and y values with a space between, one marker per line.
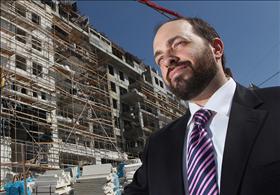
pixel 202 116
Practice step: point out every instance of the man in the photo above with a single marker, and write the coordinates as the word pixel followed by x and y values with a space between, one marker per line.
pixel 228 142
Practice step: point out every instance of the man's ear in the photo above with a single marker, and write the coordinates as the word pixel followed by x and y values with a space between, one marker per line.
pixel 218 48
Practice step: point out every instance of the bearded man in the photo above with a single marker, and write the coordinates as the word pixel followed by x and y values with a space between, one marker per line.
pixel 228 142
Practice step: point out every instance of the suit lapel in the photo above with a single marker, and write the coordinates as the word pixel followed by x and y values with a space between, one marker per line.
pixel 244 126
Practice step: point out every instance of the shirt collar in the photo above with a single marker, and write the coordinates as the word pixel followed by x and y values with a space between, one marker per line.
pixel 220 101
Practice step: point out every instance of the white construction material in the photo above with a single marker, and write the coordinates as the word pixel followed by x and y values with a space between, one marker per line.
pixel 92 180
pixel 129 171
pixel 54 182
pixel 112 186
pixel 102 169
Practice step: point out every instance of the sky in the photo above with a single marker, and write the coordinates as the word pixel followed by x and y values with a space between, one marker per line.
pixel 250 31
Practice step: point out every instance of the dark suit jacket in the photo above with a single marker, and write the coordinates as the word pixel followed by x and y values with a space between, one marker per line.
pixel 251 160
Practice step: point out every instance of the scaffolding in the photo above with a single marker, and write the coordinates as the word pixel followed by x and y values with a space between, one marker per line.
pixel 146 109
pixel 56 100
pixel 53 85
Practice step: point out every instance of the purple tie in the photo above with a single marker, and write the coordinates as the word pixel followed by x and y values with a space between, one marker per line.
pixel 202 170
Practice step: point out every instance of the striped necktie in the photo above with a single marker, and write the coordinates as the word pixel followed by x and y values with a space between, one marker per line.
pixel 202 170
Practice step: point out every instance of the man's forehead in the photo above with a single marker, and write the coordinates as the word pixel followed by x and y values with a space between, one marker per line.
pixel 175 22
pixel 170 30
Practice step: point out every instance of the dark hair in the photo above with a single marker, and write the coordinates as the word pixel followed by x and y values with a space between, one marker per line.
pixel 202 29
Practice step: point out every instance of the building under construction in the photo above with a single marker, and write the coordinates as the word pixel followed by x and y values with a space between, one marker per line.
pixel 69 95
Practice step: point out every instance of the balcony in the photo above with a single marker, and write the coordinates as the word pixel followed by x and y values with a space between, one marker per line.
pixel 6 49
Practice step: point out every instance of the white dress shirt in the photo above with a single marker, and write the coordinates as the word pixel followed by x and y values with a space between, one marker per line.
pixel 220 102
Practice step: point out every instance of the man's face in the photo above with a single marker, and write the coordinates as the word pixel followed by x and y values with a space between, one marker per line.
pixel 186 61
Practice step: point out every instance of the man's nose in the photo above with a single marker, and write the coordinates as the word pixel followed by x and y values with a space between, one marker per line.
pixel 172 61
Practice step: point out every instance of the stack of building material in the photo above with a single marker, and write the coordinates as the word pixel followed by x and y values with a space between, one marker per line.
pixel 53 182
pixel 129 171
pixel 93 179
pixel 112 186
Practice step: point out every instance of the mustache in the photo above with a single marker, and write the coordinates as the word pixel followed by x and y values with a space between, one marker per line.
pixel 173 65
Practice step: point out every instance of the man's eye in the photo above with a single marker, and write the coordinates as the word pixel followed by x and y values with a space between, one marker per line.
pixel 179 43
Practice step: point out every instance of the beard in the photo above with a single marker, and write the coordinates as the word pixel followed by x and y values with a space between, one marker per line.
pixel 202 74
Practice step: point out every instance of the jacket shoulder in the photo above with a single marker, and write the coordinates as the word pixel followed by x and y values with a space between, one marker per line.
pixel 269 93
